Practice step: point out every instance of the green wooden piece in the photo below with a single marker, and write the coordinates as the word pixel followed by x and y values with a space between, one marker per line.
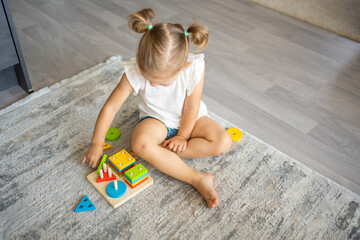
pixel 113 134
pixel 136 172
pixel 101 163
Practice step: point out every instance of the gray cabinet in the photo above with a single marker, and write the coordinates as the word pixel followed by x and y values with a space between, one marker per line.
pixel 12 65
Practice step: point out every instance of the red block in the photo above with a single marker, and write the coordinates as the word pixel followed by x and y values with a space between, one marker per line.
pixel 106 177
pixel 136 183
pixel 122 172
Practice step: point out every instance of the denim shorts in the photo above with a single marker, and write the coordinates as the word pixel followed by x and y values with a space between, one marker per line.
pixel 172 132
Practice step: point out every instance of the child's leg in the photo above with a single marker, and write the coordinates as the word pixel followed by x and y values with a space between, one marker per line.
pixel 145 142
pixel 208 138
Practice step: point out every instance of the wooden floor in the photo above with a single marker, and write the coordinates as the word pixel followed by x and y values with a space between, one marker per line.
pixel 290 84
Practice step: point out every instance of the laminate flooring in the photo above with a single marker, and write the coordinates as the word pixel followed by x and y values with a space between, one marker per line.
pixel 291 84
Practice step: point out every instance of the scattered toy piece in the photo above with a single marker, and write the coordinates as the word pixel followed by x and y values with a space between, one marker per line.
pixel 106 146
pixel 235 134
pixel 85 205
pixel 113 134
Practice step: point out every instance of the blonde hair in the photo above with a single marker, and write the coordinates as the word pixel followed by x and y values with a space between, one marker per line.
pixel 163 50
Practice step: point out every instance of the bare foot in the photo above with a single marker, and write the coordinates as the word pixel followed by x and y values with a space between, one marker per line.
pixel 205 187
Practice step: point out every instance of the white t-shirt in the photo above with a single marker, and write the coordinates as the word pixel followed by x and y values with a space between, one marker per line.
pixel 166 103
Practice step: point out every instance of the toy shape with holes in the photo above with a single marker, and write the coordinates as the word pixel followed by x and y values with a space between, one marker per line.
pixel 120 179
pixel 85 205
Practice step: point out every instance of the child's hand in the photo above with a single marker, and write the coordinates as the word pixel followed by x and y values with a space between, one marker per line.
pixel 93 155
pixel 176 144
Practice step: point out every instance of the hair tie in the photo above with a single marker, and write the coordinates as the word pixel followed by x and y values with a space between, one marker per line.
pixel 186 33
pixel 150 27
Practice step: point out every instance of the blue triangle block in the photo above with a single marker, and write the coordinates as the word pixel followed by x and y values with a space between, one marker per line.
pixel 85 205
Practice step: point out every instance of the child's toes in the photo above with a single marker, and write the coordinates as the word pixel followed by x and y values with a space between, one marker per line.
pixel 212 200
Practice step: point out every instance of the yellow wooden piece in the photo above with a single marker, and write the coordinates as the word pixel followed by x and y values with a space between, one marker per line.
pixel 106 146
pixel 235 134
pixel 122 160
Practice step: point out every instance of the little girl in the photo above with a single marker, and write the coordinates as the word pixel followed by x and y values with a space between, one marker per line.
pixel 173 120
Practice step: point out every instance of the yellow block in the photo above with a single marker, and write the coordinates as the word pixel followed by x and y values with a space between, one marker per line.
pixel 106 146
pixel 121 159
pixel 235 134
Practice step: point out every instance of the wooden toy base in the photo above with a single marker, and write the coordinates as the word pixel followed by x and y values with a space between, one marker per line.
pixel 130 192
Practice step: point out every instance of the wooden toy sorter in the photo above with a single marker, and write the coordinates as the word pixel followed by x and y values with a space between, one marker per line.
pixel 122 181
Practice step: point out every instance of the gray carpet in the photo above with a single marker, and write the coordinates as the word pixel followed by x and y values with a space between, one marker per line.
pixel 263 193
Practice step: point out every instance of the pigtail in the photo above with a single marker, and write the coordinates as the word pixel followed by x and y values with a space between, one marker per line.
pixel 199 35
pixel 139 21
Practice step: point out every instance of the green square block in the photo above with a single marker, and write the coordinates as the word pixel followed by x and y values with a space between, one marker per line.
pixel 136 172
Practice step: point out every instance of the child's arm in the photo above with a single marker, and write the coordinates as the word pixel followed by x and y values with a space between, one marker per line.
pixel 188 120
pixel 191 109
pixel 104 120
